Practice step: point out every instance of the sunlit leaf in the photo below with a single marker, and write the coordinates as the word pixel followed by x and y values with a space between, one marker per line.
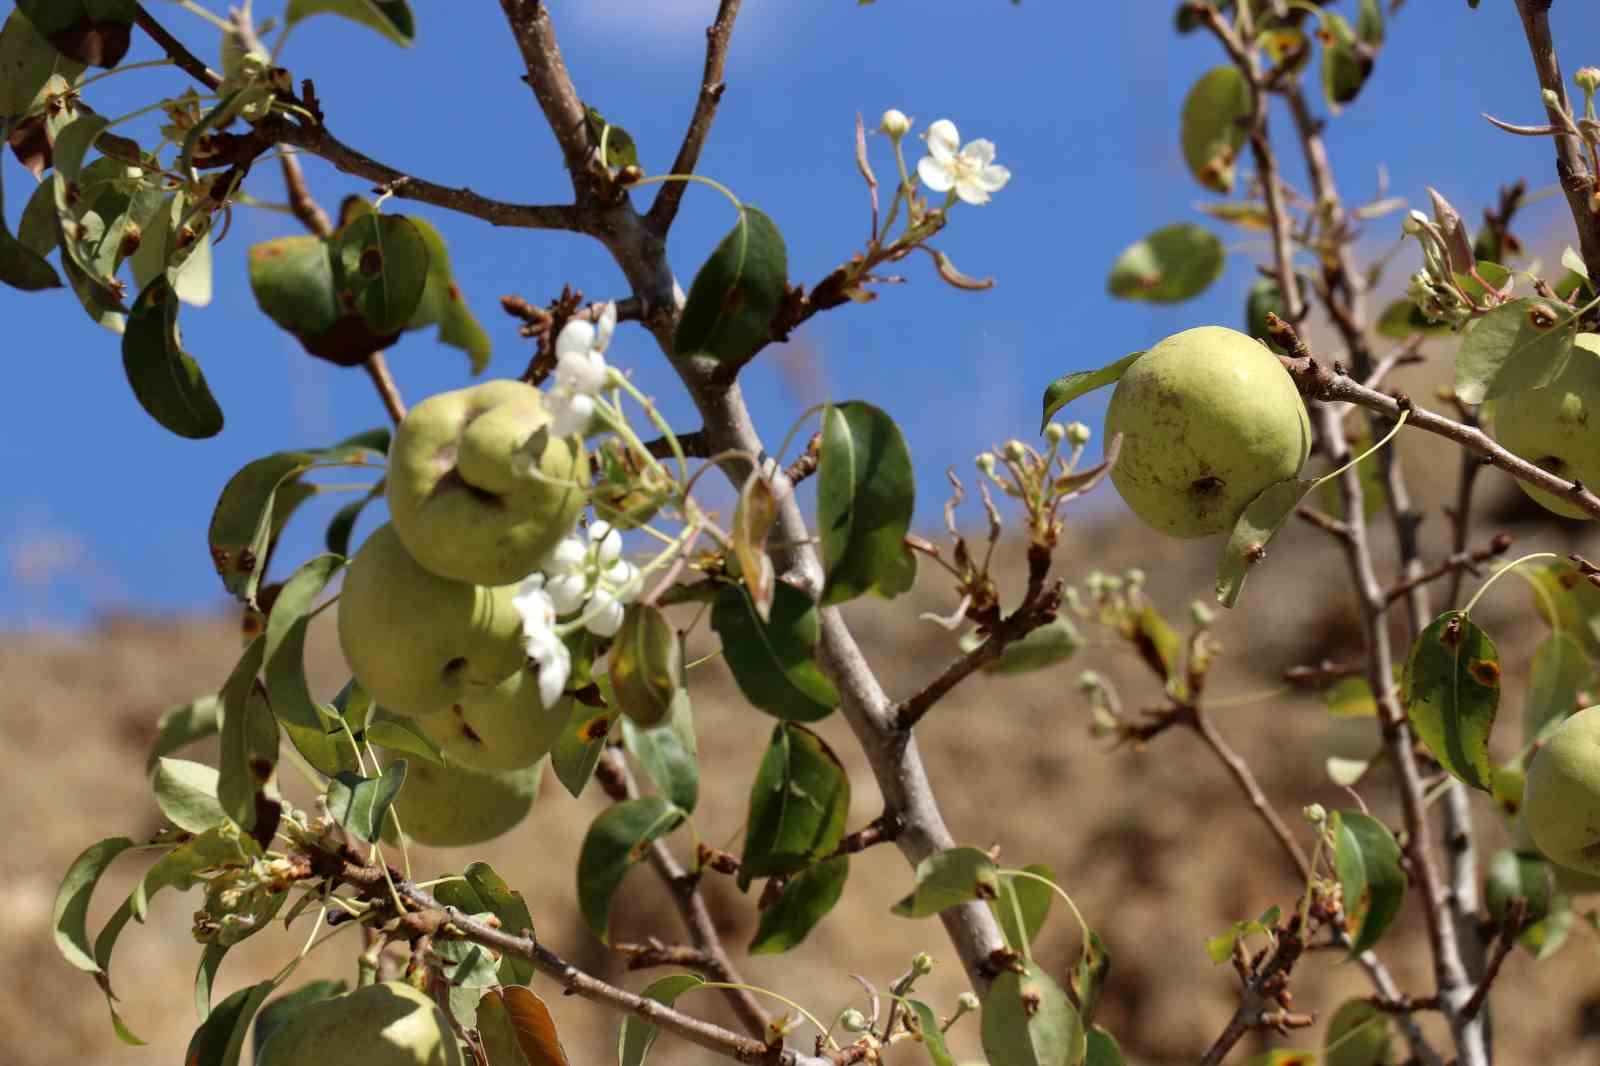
pixel 1522 344
pixel 798 805
pixel 866 492
pixel 360 803
pixel 616 841
pixel 1214 126
pixel 1257 524
pixel 1068 387
pixel 638 1034
pixel 948 879
pixel 1451 690
pixel 186 792
pixel 737 293
pixel 1367 859
pixel 1171 265
pixel 1028 1021
pixel 392 18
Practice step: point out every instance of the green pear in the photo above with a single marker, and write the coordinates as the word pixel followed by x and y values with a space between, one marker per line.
pixel 1561 801
pixel 389 1024
pixel 420 643
pixel 1567 882
pixel 1209 418
pixel 1558 427
pixel 453 806
pixel 463 490
pixel 507 727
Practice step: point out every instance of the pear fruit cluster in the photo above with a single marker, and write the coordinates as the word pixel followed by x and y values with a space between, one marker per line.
pixel 1209 419
pixel 480 493
pixel 1557 427
pixel 1561 799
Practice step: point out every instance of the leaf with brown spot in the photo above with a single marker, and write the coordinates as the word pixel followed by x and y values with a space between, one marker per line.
pixel 517 1029
pixel 1367 859
pixel 1451 689
pixel 614 844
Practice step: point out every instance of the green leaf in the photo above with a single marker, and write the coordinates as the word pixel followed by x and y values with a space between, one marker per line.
pixel 205 976
pixel 1567 602
pixel 220 1038
pixel 1068 387
pixel 1158 642
pixel 664 756
pixel 72 902
pixel 1103 1049
pixel 806 899
pixel 95 32
pixel 1024 897
pixel 246 517
pixel 1169 266
pixel 397 733
pixel 186 792
pixel 932 1036
pixel 737 293
pixel 27 63
pixel 1350 697
pixel 1560 671
pixel 274 1014
pixel 1028 1021
pixel 866 491
pixel 1089 978
pixel 166 380
pixel 1369 22
pixel 1512 876
pixel 1257 524
pixel 617 840
pixel 1216 114
pixel 772 661
pixel 183 725
pixel 646 662
pixel 313 728
pixel 392 18
pixel 1367 859
pixel 577 749
pixel 360 803
pixel 638 1034
pixel 948 879
pixel 1451 689
pixel 343 522
pixel 1358 1035
pixel 620 149
pixel 21 267
pixel 1346 61
pixel 292 279
pixel 249 739
pixel 1049 645
pixel 443 305
pixel 506 904
pixel 798 805
pixel 1401 318
pixel 1522 344
pixel 1265 296
pixel 1220 947
pixel 380 269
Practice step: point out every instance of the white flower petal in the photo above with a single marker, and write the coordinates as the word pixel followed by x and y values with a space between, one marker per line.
pixel 971 193
pixel 555 665
pixel 570 415
pixel 979 152
pixel 993 178
pixel 619 574
pixel 568 592
pixel 607 618
pixel 608 544
pixel 576 337
pixel 943 140
pixel 568 555
pixel 607 325
pixel 934 174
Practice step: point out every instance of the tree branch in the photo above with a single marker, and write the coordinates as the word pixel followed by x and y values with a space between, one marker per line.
pixel 1240 771
pixel 665 206
pixel 1576 181
pixel 576 982
pixel 1317 382
pixel 186 60
pixel 619 783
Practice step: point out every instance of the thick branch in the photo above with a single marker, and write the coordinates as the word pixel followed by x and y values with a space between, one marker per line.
pixel 186 60
pixel 718 34
pixel 577 982
pixel 1576 181
pixel 551 84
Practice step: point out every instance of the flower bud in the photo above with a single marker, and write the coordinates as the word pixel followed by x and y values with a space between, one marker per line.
pixel 922 964
pixel 1551 99
pixel 1055 433
pixel 1587 79
pixel 1089 682
pixel 1078 434
pixel 894 123
pixel 1134 578
pixel 986 463
pixel 1314 813
pixel 853 1021
pixel 1414 222
pixel 967 1002
pixel 1014 451
pixel 1200 615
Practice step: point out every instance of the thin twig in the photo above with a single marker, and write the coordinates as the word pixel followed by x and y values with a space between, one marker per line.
pixel 1459 562
pixel 1516 913
pixel 614 775
pixel 718 35
pixel 1240 771
pixel 186 60
pixel 377 368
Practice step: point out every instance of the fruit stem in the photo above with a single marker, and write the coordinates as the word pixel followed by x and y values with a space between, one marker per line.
pixel 1467 610
pixel 1362 457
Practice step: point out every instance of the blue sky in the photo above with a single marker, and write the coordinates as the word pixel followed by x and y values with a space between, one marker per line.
pixel 1083 108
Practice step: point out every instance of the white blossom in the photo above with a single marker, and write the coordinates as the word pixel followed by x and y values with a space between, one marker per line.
pixel 581 371
pixel 544 645
pixel 895 123
pixel 971 170
pixel 591 580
